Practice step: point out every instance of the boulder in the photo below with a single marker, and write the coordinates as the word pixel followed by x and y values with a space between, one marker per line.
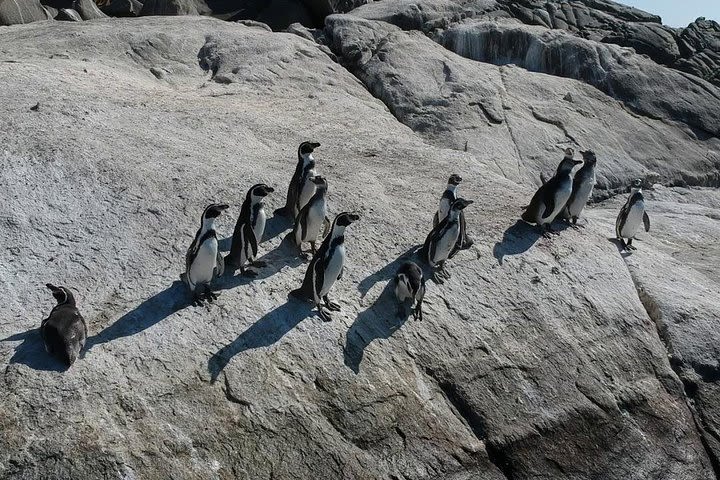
pixel 21 11
pixel 121 8
pixel 68 15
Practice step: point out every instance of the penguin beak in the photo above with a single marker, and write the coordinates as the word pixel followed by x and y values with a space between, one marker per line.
pixel 52 287
pixel 354 217
pixel 577 162
pixel 269 189
pixel 314 145
pixel 223 206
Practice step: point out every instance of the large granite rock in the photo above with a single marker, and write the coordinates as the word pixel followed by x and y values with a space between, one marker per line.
pixel 537 359
pixel 21 11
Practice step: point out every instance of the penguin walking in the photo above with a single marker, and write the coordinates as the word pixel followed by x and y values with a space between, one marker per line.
pixel 582 187
pixel 551 198
pixel 301 189
pixel 249 230
pixel 410 286
pixel 631 216
pixel 203 261
pixel 446 201
pixel 442 239
pixel 312 217
pixel 64 331
pixel 326 267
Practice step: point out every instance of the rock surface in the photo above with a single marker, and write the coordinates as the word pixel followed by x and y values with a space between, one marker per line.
pixel 21 11
pixel 541 358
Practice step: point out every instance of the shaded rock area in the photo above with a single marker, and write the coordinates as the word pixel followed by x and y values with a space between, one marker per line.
pixel 558 358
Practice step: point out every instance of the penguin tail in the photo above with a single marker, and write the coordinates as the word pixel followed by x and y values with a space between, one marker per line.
pixel 298 293
pixel 55 345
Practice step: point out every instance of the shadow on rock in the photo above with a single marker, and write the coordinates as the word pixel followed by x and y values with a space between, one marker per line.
pixel 389 270
pixel 148 313
pixel 265 332
pixel 31 352
pixel 380 320
pixel 286 254
pixel 624 253
pixel 519 238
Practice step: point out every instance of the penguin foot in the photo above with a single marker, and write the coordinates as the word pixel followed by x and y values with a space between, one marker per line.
pixel 332 306
pixel 305 256
pixel 198 301
pixel 437 278
pixel 325 316
pixel 630 248
pixel 249 273
pixel 211 296
pixel 469 242
pixel 417 313
pixel 259 264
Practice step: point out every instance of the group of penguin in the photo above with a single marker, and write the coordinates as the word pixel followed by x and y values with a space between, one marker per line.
pixel 64 332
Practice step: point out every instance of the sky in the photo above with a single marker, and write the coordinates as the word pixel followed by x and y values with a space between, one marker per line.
pixel 679 13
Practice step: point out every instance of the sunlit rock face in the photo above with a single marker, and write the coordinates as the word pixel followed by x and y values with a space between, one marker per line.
pixel 558 357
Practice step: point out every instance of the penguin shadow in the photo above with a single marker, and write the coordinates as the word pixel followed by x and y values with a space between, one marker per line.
pixel 380 320
pixel 283 255
pixel 520 237
pixel 31 352
pixel 268 330
pixel 150 312
pixel 624 253
pixel 389 270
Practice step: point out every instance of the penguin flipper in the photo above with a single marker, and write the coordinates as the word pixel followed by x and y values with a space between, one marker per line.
pixel 251 240
pixel 532 211
pixel 646 221
pixel 620 220
pixel 435 220
pixel 549 201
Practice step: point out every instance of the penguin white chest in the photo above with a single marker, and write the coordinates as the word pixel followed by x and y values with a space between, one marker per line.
pixel 403 291
pixel 307 191
pixel 315 219
pixel 446 243
pixel 633 221
pixel 581 197
pixel 332 270
pixel 203 266
pixel 259 226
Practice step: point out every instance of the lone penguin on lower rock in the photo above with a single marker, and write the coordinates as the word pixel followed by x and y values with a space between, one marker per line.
pixel 446 201
pixel 582 187
pixel 312 218
pixel 64 332
pixel 631 216
pixel 551 198
pixel 410 288
pixel 440 242
pixel 300 189
pixel 203 261
pixel 326 267
pixel 249 230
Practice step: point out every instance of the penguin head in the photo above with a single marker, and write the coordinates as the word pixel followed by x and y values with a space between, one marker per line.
pixel 346 218
pixel 589 157
pixel 567 164
pixel 569 153
pixel 260 190
pixel 461 203
pixel 214 210
pixel 454 179
pixel 636 185
pixel 61 294
pixel 319 180
pixel 306 148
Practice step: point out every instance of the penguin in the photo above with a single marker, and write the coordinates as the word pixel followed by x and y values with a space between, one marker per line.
pixel 448 197
pixel 582 187
pixel 551 197
pixel 326 267
pixel 410 285
pixel 203 260
pixel 312 217
pixel 64 331
pixel 631 215
pixel 301 189
pixel 441 240
pixel 249 230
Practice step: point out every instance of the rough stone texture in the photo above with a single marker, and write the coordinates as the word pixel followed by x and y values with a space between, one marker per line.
pixel 538 359
pixel 121 8
pixel 21 11
pixel 515 122
pixel 175 7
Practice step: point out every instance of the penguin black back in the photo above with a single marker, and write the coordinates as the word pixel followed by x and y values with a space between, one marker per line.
pixel 64 332
pixel 293 192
